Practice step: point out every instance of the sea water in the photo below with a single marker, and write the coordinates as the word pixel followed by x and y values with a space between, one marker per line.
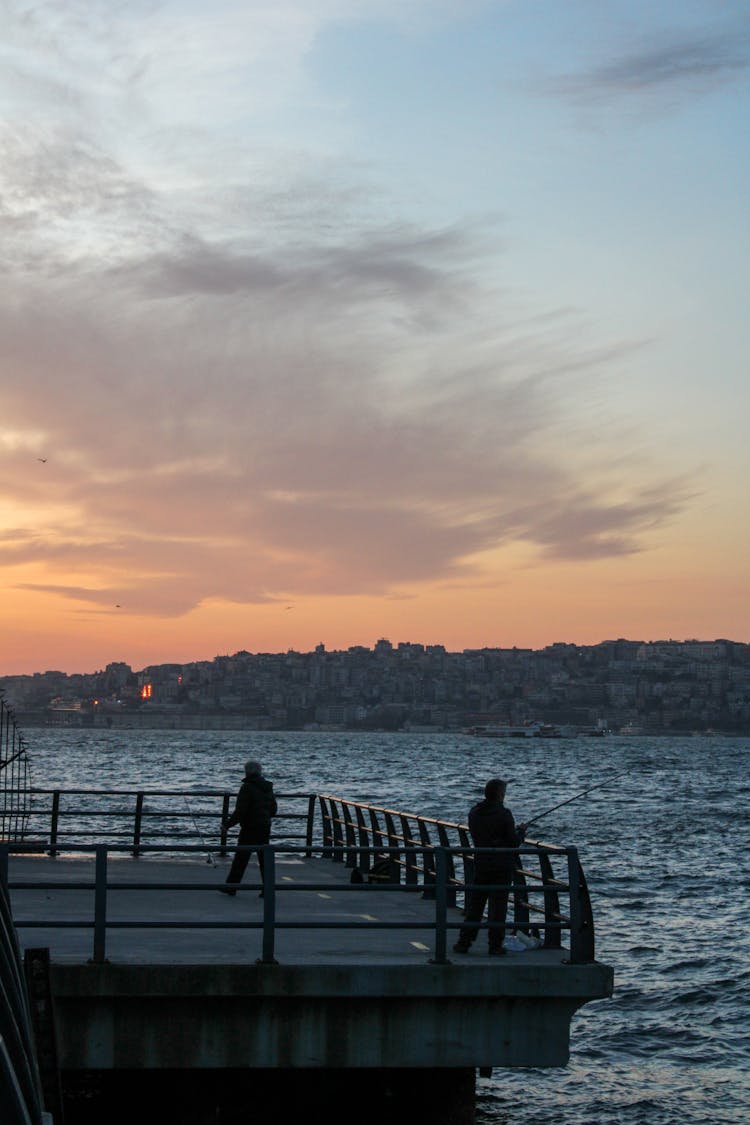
pixel 665 845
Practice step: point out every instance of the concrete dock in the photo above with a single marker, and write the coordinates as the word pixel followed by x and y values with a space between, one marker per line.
pixel 180 1004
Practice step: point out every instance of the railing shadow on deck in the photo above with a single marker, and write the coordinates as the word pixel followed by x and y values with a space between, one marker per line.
pixel 384 848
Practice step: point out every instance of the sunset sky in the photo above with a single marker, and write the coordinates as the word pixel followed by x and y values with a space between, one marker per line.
pixel 328 320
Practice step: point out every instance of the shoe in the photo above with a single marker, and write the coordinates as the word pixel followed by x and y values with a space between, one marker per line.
pixel 261 895
pixel 461 947
pixel 226 891
pixel 497 952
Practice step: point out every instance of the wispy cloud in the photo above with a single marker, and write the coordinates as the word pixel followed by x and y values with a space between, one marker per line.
pixel 664 66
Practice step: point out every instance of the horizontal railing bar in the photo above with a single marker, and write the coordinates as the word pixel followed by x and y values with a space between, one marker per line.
pixel 541 910
pixel 345 888
pixel 150 835
pixel 155 792
pixel 387 835
pixel 173 814
pixel 554 884
pixel 314 850
pixel 250 925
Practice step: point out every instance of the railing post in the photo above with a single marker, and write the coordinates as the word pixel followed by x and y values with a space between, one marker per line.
pixel 364 859
pixel 325 818
pixel 137 824
pixel 338 836
pixel 224 830
pixel 581 917
pixel 310 825
pixel 428 861
pixel 552 933
pixel 449 864
pixel 394 870
pixel 351 835
pixel 467 858
pixel 4 852
pixel 269 905
pixel 410 855
pixel 54 822
pixel 376 835
pixel 520 895
pixel 574 903
pixel 100 904
pixel 441 906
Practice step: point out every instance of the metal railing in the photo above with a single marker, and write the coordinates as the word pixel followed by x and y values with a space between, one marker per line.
pixel 15 778
pixel 145 816
pixel 543 873
pixel 20 1084
pixel 387 849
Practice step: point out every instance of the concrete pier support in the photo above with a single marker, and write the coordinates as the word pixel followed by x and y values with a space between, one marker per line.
pixel 284 1097
pixel 211 1045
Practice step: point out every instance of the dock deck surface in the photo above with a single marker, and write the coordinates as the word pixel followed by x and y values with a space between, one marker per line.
pixel 137 897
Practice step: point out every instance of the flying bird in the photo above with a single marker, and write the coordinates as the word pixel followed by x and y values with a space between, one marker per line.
pixel 42 459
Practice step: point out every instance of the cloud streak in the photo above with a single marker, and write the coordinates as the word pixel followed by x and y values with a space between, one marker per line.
pixel 222 426
pixel 680 63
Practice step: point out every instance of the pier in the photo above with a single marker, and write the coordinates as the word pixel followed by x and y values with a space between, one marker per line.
pixel 339 986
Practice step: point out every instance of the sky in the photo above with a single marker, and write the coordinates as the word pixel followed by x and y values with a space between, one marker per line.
pixel 329 320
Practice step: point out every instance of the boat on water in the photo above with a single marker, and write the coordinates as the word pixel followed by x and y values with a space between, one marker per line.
pixel 534 730
pixel 521 730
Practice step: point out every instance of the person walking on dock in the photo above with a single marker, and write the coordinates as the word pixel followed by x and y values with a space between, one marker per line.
pixel 253 811
pixel 491 826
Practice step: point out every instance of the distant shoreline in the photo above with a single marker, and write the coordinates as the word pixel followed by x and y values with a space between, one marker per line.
pixel 28 721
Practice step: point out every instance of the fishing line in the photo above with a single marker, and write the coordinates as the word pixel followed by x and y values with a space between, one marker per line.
pixel 209 857
pixel 583 793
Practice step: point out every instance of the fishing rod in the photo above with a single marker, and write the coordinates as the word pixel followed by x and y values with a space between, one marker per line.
pixel 583 793
pixel 209 857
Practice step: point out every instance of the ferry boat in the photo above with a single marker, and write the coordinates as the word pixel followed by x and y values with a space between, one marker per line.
pixel 521 730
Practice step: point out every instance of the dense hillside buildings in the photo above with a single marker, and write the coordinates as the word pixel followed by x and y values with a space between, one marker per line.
pixel 655 687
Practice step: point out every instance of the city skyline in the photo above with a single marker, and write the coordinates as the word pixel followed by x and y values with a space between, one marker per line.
pixel 631 686
pixel 329 321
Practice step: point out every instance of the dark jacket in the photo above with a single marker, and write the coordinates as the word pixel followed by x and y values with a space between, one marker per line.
pixel 255 805
pixel 492 826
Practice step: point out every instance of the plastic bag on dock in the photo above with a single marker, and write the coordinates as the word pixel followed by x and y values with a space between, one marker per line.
pixel 519 942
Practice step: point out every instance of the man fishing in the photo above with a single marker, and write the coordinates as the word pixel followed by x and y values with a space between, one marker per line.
pixel 253 811
pixel 492 826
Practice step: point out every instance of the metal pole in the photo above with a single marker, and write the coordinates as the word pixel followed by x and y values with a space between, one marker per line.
pixel 55 819
pixel 575 905
pixel 100 904
pixel 441 906
pixel 310 824
pixel 269 905
pixel 224 818
pixel 138 821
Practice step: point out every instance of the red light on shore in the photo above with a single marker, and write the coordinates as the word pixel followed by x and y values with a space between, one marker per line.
pixel 147 691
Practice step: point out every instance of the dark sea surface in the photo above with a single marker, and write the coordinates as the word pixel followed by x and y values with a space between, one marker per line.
pixel 665 848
